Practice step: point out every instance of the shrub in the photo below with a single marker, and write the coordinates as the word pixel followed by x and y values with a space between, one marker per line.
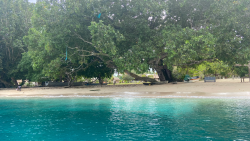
pixel 110 82
pixel 151 76
pixel 127 77
pixel 177 76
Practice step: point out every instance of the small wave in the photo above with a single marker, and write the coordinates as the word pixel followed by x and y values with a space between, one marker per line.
pixel 130 96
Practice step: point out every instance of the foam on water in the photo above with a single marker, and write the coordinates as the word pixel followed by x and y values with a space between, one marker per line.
pixel 239 95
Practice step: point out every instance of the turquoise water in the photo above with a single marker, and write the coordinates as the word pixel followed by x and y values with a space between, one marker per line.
pixel 124 119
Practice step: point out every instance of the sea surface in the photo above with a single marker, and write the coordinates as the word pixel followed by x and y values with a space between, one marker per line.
pixel 75 119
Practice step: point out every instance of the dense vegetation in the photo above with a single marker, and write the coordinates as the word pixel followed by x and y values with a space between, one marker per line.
pixel 62 40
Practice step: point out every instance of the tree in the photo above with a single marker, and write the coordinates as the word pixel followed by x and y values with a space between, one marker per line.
pixel 241 70
pixel 14 24
pixel 98 69
pixel 190 33
pixel 53 46
pixel 138 35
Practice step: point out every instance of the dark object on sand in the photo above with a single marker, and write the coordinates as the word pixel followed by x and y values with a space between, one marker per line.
pixel 95 90
pixel 155 83
pixel 94 84
pixel 148 83
pixel 18 88
pixel 175 82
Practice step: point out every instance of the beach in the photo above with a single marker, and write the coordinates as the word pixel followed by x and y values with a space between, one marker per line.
pixel 222 88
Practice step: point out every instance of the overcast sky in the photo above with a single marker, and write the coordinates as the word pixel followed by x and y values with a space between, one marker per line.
pixel 33 1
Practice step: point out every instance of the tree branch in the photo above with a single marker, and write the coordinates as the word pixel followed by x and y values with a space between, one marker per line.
pixel 157 60
pixel 84 40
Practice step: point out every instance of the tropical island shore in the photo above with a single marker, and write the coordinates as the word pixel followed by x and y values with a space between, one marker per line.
pixel 223 88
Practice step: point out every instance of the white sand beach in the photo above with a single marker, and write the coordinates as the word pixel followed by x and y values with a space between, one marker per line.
pixel 221 88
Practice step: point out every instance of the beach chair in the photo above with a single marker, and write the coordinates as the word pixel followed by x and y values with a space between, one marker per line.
pixel 209 79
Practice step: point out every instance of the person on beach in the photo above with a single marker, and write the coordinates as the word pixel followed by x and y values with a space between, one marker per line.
pixel 114 81
pixel 18 88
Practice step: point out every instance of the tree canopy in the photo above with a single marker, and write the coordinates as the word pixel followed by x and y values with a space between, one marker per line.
pixel 67 38
pixel 14 24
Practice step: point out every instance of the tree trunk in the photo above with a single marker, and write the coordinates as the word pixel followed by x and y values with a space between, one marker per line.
pixel 60 79
pixel 70 82
pixel 111 64
pixel 100 80
pixel 69 79
pixel 160 73
pixel 163 72
pixel 14 81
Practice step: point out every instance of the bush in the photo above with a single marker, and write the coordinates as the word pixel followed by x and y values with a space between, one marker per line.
pixel 177 76
pixel 241 71
pixel 110 82
pixel 151 76
pixel 127 77
pixel 29 84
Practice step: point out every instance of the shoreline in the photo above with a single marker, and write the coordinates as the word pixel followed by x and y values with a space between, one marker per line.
pixel 141 95
pixel 221 89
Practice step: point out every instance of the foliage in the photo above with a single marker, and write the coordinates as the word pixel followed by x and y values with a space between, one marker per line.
pixel 178 76
pixel 97 69
pixel 217 68
pixel 14 24
pixel 151 76
pixel 190 33
pixel 129 35
pixel 241 71
pixel 127 78
pixel 54 34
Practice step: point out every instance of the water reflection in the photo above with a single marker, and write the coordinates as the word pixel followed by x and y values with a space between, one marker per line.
pixel 124 119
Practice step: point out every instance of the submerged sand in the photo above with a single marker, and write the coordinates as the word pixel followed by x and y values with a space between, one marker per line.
pixel 224 88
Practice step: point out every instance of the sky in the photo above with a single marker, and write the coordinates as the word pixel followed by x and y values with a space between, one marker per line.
pixel 33 1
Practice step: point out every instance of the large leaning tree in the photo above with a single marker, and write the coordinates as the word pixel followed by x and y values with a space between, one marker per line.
pixel 159 34
pixel 140 34
pixel 14 24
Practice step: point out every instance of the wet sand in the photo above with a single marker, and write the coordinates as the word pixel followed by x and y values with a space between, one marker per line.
pixel 224 88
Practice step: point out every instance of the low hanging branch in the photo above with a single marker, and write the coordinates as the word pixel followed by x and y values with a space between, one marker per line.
pixel 80 37
pixel 146 79
pixel 157 60
pixel 75 70
pixel 247 65
pixel 110 63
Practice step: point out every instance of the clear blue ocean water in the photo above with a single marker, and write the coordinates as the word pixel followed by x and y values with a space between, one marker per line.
pixel 60 119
